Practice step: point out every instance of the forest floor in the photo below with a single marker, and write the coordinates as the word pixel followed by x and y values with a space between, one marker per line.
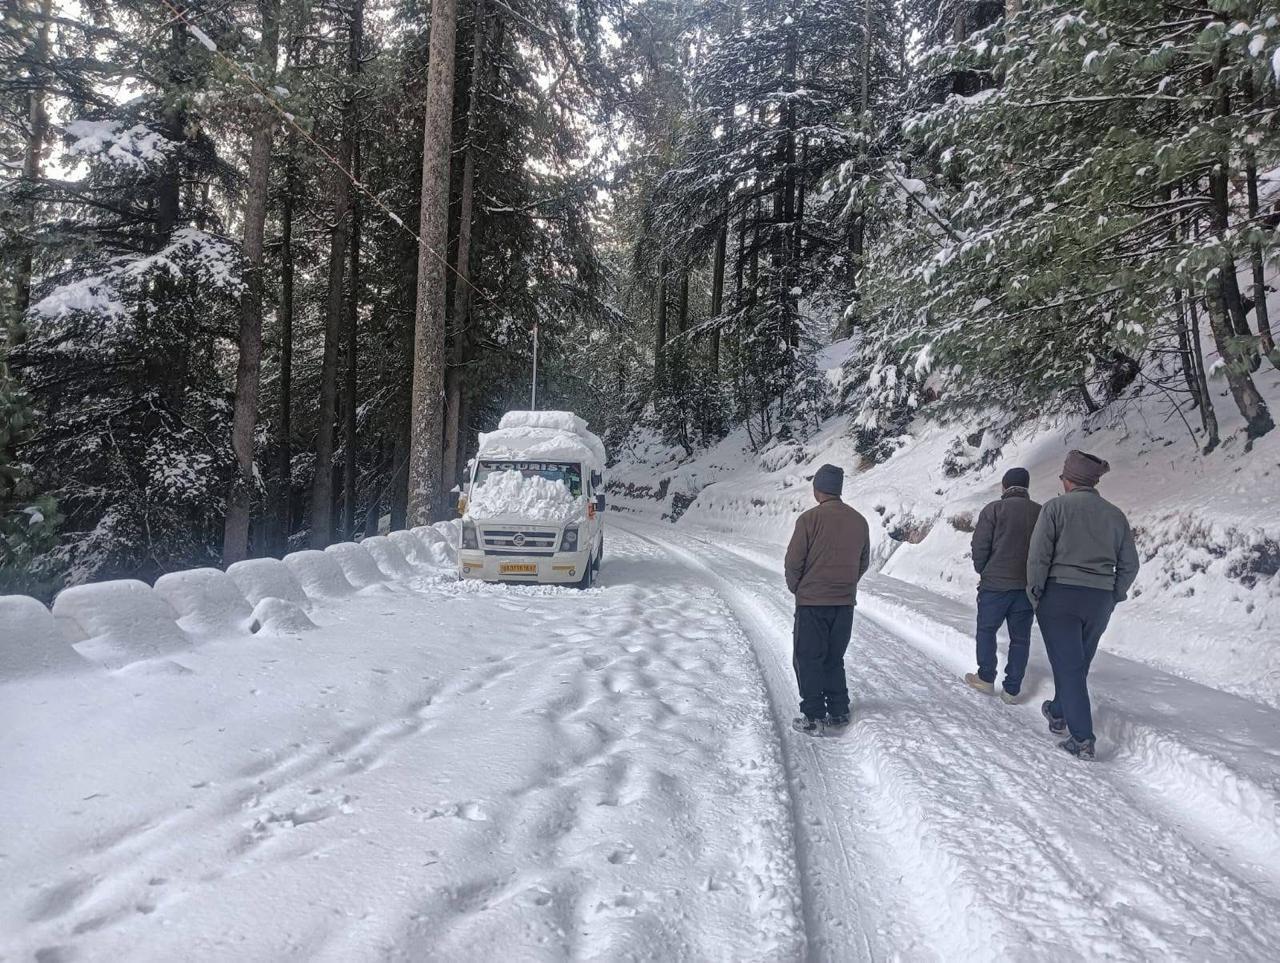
pixel 447 770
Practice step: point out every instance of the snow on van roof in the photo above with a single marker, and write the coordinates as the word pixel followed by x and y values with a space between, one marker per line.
pixel 543 436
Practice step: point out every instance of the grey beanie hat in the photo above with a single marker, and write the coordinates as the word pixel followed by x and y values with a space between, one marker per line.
pixel 829 479
pixel 1081 468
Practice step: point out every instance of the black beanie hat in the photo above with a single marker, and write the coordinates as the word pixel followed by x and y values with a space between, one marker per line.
pixel 1016 478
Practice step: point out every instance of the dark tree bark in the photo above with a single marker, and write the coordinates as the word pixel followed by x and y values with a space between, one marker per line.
pixel 33 154
pixel 350 399
pixel 462 290
pixel 322 486
pixel 244 423
pixel 427 432
pixel 284 427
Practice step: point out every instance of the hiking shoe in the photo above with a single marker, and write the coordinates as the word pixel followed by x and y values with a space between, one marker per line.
pixel 1009 698
pixel 1056 724
pixel 810 727
pixel 982 685
pixel 1081 750
pixel 838 722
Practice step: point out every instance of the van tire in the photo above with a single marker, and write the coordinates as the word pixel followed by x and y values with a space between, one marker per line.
pixel 588 577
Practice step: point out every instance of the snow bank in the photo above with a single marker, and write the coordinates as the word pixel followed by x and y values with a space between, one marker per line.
pixel 388 557
pixel 273 616
pixel 263 578
pixel 206 599
pixel 357 564
pixel 508 494
pixel 416 551
pixel 442 540
pixel 320 575
pixel 30 643
pixel 120 622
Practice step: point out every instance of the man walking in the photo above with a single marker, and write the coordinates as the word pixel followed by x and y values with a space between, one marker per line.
pixel 829 552
pixel 1081 562
pixel 999 548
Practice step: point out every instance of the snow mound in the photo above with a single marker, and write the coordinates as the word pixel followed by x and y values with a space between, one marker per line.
pixel 508 494
pixel 415 550
pixel 120 621
pixel 30 643
pixel 320 575
pixel 543 436
pixel 262 578
pixel 559 420
pixel 206 599
pixel 441 540
pixel 390 560
pixel 357 564
pixel 272 616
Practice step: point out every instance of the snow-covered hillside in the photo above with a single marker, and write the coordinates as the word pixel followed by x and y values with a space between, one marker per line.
pixel 1206 603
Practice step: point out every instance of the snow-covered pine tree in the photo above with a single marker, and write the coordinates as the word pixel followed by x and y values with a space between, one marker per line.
pixel 1054 221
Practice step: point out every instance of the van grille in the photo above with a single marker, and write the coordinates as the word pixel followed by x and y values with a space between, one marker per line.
pixel 496 541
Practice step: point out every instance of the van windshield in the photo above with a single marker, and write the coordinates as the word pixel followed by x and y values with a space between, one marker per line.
pixel 565 472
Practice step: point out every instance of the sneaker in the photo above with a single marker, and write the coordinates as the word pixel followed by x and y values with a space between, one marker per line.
pixel 982 685
pixel 810 727
pixel 1009 698
pixel 1056 724
pixel 1081 750
pixel 838 722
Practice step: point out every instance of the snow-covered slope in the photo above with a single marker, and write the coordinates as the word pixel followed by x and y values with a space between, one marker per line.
pixel 1206 603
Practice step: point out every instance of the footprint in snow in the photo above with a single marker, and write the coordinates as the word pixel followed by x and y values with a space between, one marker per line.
pixel 470 811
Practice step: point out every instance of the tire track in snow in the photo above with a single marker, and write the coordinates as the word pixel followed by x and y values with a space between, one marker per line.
pixel 1089 869
pixel 826 896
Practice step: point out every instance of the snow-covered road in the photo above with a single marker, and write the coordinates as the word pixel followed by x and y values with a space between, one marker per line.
pixel 453 771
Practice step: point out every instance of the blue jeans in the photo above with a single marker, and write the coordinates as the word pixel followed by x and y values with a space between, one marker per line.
pixel 994 609
pixel 1072 619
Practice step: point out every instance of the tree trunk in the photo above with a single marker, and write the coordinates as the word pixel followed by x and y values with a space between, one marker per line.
pixel 717 291
pixel 429 342
pixel 284 429
pixel 1265 338
pixel 453 442
pixel 1236 363
pixel 1222 297
pixel 1208 417
pixel 350 393
pixel 682 317
pixel 37 133
pixel 244 422
pixel 322 485
pixel 660 336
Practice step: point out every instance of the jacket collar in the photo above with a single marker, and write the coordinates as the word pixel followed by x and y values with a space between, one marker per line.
pixel 1015 491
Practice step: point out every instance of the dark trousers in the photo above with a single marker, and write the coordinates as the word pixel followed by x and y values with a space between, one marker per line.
pixel 1072 619
pixel 995 608
pixel 821 637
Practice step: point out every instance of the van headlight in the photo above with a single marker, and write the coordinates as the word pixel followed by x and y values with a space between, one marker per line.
pixel 469 537
pixel 569 541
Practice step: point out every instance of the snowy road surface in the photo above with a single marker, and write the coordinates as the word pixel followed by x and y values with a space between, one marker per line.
pixel 454 771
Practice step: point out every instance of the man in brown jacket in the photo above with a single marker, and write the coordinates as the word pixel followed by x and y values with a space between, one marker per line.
pixel 829 552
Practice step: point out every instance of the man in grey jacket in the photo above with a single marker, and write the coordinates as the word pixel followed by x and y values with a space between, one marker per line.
pixel 829 552
pixel 999 549
pixel 1081 562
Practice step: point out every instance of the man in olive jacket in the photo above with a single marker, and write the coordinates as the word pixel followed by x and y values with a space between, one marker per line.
pixel 999 548
pixel 829 552
pixel 1081 562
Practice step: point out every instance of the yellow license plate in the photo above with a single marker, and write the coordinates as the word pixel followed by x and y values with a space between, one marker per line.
pixel 518 568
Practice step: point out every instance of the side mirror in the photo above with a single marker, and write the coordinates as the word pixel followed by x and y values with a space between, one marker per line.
pixel 597 479
pixel 462 505
pixel 600 502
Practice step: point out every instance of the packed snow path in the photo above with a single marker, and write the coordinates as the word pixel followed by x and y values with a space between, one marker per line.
pixel 449 771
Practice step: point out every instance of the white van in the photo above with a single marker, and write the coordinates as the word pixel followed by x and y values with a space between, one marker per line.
pixel 533 506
